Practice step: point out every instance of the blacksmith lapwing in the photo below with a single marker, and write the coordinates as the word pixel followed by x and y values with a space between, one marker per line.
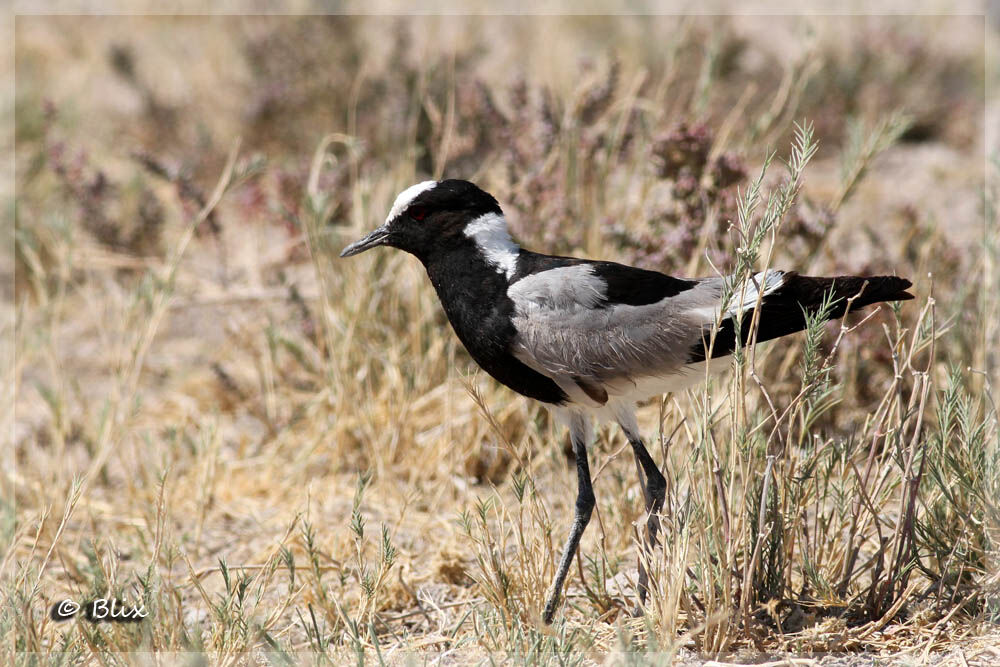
pixel 591 338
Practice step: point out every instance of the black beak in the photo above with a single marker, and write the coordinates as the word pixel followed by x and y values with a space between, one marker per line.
pixel 376 238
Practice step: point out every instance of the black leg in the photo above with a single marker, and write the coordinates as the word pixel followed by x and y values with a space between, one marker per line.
pixel 654 490
pixel 584 508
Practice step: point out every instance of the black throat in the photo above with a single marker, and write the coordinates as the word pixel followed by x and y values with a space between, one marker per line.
pixel 474 296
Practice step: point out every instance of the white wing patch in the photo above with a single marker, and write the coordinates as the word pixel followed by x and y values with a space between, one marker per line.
pixel 404 198
pixel 744 296
pixel 490 233
pixel 565 288
pixel 750 291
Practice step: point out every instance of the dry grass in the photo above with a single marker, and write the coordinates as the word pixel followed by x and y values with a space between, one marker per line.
pixel 281 453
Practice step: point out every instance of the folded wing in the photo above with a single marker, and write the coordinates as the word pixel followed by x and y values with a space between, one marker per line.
pixel 602 330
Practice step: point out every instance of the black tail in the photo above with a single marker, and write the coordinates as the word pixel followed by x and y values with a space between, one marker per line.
pixel 784 310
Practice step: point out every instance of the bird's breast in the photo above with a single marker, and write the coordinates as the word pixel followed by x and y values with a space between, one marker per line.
pixel 475 300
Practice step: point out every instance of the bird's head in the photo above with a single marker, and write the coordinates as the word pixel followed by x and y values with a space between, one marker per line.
pixel 433 215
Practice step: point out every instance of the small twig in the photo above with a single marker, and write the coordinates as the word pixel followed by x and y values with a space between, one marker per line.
pixel 209 570
pixel 447 605
pixel 413 594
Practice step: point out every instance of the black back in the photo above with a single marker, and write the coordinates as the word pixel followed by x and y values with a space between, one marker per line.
pixel 625 284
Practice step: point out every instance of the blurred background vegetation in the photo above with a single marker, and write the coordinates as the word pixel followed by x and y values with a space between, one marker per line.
pixel 211 408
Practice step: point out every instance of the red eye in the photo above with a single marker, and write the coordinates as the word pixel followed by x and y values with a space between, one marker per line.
pixel 418 213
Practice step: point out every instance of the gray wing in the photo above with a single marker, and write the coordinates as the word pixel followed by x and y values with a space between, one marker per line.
pixel 568 330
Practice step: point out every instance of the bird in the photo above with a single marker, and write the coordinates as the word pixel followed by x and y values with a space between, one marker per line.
pixel 593 339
